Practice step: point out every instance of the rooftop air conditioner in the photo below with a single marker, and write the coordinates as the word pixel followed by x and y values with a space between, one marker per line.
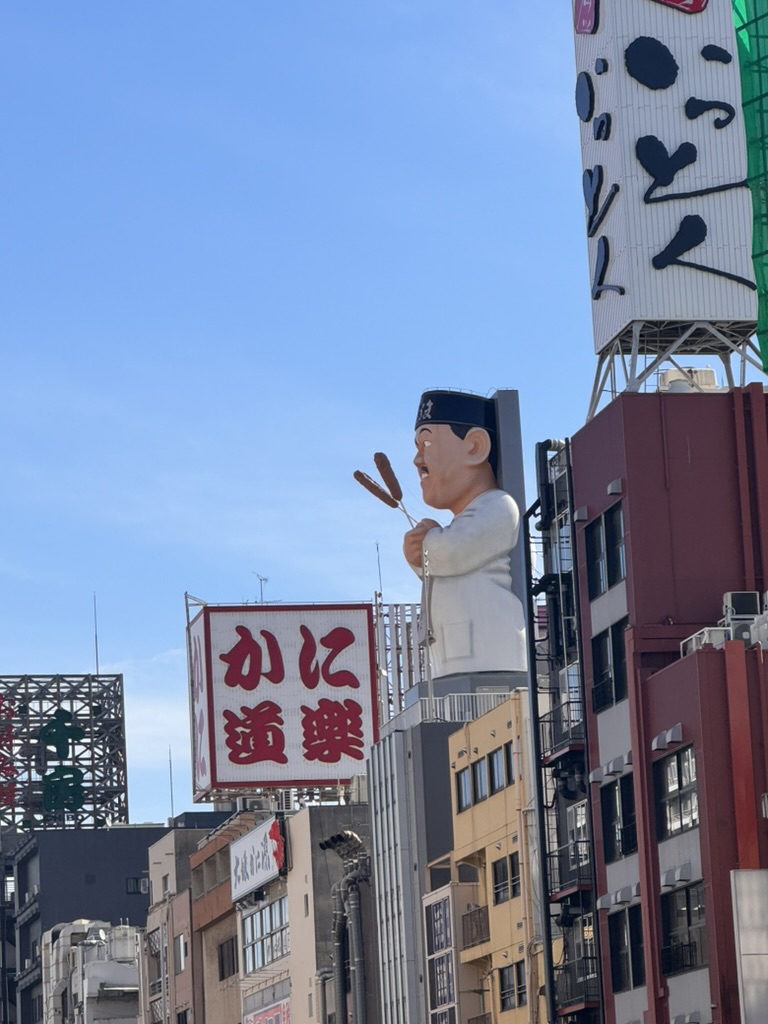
pixel 689 378
pixel 759 631
pixel 742 631
pixel 741 604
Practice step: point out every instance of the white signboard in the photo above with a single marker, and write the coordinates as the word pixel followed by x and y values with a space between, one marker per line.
pixel 281 695
pixel 668 211
pixel 256 858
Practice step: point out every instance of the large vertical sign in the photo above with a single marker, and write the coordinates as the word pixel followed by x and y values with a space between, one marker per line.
pixel 62 751
pixel 281 695
pixel 668 212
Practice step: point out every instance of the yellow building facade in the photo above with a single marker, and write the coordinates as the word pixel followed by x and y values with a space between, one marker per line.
pixel 492 904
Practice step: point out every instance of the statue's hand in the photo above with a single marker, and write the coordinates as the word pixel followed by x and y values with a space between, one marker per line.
pixel 413 542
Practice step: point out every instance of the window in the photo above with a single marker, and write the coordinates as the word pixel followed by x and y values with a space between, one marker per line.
pixel 578 834
pixel 227 959
pixel 181 1017
pixel 463 790
pixel 677 805
pixel 509 762
pixel 514 874
pixel 606 560
pixel 179 953
pixel 441 989
pixel 512 988
pixel 625 931
pixel 137 886
pixel 684 934
pixel 500 876
pixel 496 770
pixel 439 926
pixel 617 801
pixel 480 780
pixel 266 936
pixel 609 667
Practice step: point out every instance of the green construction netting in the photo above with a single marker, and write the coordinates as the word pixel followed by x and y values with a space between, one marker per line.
pixel 752 36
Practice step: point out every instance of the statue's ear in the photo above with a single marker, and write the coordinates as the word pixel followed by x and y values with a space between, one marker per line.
pixel 478 446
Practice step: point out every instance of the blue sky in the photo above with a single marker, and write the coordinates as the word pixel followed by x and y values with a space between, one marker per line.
pixel 238 241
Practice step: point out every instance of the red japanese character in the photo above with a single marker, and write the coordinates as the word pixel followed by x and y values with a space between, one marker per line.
pixel 8 769
pixel 197 668
pixel 338 640
pixel 7 794
pixel 247 651
pixel 256 736
pixel 333 730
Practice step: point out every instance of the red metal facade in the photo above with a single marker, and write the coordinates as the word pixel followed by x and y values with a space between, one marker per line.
pixel 691 472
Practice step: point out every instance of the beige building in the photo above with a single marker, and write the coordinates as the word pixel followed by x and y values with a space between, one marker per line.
pixel 482 928
pixel 295 929
pixel 167 977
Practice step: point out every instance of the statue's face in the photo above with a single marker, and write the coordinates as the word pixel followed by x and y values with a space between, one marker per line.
pixel 443 464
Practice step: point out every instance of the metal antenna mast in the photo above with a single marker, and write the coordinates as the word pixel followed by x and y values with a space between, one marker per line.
pixel 262 580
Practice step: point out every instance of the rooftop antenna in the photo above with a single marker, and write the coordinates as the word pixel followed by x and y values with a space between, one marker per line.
pixel 378 559
pixel 262 580
pixel 96 632
pixel 170 772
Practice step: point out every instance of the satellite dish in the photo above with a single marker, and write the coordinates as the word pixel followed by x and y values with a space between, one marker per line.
pixel 102 935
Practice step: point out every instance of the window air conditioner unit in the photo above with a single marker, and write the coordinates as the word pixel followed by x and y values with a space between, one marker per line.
pixel 742 631
pixel 741 604
pixel 759 631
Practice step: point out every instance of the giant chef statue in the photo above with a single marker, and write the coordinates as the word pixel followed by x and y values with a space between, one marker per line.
pixel 475 621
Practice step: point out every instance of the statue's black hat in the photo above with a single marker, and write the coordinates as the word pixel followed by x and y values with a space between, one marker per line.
pixel 457 408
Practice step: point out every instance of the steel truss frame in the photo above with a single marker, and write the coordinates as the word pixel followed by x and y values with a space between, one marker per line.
pixel 639 352
pixel 96 705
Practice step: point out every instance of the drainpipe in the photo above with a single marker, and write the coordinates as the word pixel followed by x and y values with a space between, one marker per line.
pixel 322 977
pixel 339 977
pixel 351 895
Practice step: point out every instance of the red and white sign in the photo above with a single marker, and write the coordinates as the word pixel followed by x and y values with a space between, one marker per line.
pixel 278 1013
pixel 282 695
pixel 256 858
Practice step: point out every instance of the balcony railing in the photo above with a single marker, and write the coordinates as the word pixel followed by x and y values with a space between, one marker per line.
pixel 475 927
pixel 484 1018
pixel 685 956
pixel 577 982
pixel 602 694
pixel 570 866
pixel 562 727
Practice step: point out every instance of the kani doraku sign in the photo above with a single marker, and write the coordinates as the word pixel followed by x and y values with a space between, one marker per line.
pixel 668 210
pixel 282 695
